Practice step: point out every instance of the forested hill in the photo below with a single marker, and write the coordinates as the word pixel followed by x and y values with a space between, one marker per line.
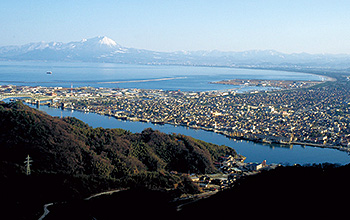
pixel 72 159
pixel 69 145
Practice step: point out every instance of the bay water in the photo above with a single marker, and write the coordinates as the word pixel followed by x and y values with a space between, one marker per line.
pixel 185 78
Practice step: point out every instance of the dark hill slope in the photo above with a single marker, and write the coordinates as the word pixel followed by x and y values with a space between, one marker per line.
pixel 72 160
pixel 71 146
pixel 49 141
pixel 299 192
pixel 320 190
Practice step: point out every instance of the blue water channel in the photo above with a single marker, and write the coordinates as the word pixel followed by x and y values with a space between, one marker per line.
pixel 253 151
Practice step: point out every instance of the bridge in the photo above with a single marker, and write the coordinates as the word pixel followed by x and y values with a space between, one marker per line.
pixel 29 96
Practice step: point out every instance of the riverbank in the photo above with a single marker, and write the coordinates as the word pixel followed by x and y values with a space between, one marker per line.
pixel 260 140
pixel 255 140
pixel 255 152
pixel 264 140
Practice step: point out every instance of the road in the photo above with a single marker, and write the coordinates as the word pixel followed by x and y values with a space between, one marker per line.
pixel 47 211
pixel 105 193
pixel 195 198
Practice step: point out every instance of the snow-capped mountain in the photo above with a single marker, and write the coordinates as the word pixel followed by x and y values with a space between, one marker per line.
pixel 97 43
pixel 93 48
pixel 104 49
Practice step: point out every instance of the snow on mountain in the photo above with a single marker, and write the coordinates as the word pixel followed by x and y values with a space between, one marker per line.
pixel 104 49
pixel 107 41
pixel 98 42
pixel 80 50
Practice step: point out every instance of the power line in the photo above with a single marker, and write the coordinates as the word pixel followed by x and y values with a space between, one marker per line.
pixel 27 162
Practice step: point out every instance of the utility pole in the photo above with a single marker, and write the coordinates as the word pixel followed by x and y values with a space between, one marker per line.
pixel 27 162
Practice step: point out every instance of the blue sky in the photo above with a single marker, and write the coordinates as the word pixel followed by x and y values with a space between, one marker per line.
pixel 290 26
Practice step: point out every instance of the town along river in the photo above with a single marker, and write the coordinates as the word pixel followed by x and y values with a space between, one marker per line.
pixel 254 152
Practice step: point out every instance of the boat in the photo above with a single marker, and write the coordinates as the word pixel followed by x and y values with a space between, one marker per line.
pixel 48 72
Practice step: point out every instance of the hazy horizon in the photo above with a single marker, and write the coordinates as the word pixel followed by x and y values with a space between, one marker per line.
pixel 314 26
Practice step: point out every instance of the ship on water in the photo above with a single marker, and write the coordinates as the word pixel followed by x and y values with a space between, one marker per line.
pixel 48 72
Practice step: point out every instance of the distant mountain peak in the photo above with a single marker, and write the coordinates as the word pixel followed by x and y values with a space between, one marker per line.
pixel 101 41
pixel 104 49
pixel 107 41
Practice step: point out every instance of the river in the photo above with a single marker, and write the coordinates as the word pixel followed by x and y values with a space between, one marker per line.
pixel 253 151
pixel 186 78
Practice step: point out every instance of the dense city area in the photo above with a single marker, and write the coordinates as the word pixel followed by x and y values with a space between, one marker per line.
pixel 316 116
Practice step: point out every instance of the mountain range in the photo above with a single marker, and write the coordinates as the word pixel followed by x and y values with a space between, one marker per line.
pixel 104 49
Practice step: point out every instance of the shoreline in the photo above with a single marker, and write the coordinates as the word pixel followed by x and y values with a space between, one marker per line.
pixel 224 133
pixel 258 141
pixel 323 79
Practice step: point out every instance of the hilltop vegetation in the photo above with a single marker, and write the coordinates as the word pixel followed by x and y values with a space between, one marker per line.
pixel 74 160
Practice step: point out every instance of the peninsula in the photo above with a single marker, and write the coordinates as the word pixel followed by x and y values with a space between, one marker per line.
pixel 282 84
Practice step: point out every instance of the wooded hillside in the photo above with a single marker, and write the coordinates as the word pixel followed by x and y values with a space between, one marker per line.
pixel 69 145
pixel 72 159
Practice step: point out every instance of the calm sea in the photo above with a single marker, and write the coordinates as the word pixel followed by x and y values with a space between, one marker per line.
pixel 168 78
pixel 185 78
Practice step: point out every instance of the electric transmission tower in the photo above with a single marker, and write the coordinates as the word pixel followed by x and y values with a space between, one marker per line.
pixel 27 162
